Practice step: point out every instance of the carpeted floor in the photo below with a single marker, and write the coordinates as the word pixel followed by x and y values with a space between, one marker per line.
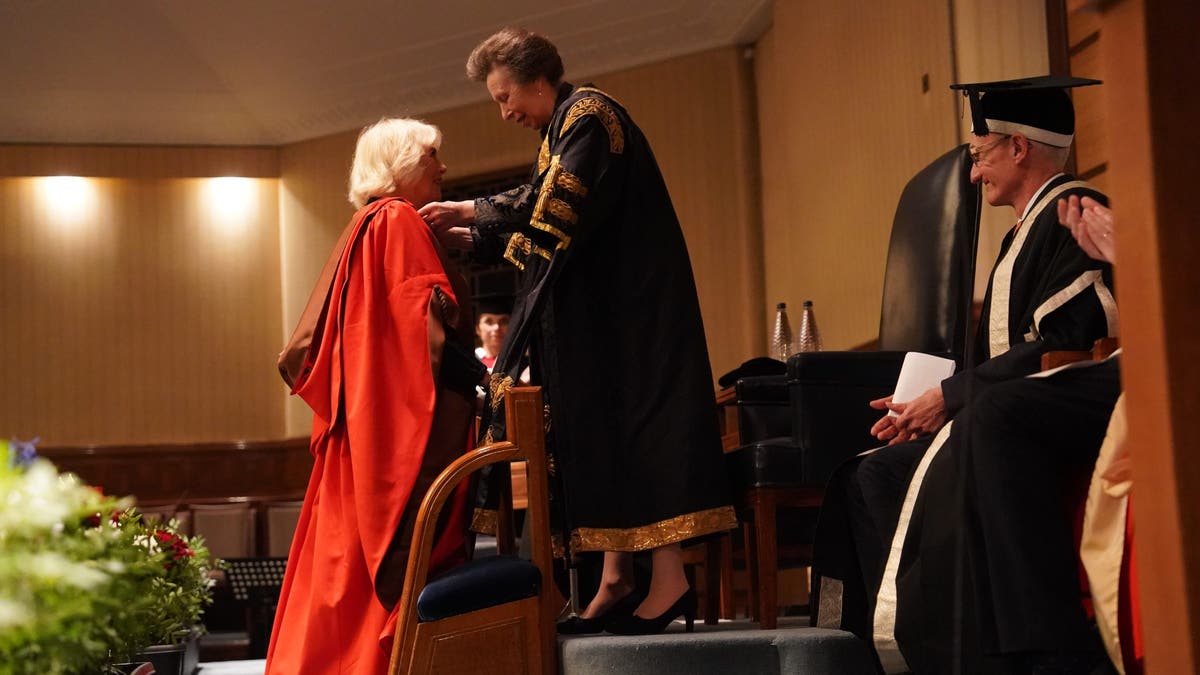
pixel 728 648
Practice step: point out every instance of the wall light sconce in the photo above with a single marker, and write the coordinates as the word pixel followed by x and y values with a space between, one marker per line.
pixel 69 200
pixel 232 200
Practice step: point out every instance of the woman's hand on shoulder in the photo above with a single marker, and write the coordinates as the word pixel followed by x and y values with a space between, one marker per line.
pixel 450 223
pixel 442 216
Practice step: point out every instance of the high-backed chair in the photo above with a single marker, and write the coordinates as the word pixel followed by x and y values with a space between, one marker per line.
pixel 229 528
pixel 495 614
pixel 819 408
pixel 281 519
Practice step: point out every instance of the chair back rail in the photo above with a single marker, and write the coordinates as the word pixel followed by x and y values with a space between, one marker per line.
pixel 525 427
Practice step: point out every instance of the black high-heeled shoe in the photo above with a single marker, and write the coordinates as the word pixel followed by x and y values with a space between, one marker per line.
pixel 636 625
pixel 577 625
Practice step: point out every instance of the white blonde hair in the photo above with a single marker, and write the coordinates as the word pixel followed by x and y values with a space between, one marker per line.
pixel 387 157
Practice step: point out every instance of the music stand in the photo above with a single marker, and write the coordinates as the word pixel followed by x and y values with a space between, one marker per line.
pixel 257 582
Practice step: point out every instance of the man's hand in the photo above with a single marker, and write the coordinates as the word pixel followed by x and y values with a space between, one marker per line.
pixel 922 415
pixel 885 429
pixel 1091 224
pixel 450 222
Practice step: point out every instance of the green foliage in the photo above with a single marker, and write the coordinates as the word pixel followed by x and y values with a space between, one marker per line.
pixel 83 579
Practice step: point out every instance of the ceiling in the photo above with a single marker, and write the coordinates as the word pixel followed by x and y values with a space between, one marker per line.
pixel 270 72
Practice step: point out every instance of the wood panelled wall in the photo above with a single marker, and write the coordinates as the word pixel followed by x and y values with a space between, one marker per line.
pixel 138 305
pixel 845 121
pixel 697 111
pixel 996 41
pixel 1091 128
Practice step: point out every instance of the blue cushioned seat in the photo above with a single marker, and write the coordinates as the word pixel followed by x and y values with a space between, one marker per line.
pixel 478 584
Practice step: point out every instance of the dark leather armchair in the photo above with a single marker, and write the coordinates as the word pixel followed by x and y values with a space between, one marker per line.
pixel 797 428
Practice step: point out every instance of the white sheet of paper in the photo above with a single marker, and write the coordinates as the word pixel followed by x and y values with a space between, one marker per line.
pixel 919 373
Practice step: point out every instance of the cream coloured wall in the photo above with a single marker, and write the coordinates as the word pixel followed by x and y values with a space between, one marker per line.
pixel 845 121
pixel 138 305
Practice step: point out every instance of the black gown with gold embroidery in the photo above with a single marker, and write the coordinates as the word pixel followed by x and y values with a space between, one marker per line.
pixel 608 314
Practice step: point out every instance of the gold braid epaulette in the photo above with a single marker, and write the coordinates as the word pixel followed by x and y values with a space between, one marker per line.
pixel 601 110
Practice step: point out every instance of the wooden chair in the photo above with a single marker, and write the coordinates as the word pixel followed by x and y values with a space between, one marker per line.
pixel 493 615
pixel 229 528
pixel 1101 349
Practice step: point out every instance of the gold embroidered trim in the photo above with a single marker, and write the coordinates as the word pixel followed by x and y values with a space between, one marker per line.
pixel 499 386
pixel 547 202
pixel 601 110
pixel 556 545
pixel 654 535
pixel 547 190
pixel 514 244
pixel 571 183
pixel 544 154
pixel 594 90
pixel 519 242
pixel 563 237
pixel 563 211
pixel 557 208
pixel 485 521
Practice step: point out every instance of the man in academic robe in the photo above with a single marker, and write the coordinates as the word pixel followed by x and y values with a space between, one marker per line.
pixel 1044 294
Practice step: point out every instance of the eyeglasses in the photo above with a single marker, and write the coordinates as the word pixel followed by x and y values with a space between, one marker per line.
pixel 978 153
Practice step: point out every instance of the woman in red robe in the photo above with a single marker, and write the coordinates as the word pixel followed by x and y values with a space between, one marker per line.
pixel 382 355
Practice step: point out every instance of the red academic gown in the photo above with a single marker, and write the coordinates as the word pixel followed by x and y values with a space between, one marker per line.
pixel 370 375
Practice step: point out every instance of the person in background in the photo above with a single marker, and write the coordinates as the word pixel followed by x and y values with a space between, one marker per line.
pixel 382 355
pixel 607 308
pixel 491 326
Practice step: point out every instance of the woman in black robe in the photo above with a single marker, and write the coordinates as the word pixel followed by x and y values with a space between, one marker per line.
pixel 608 312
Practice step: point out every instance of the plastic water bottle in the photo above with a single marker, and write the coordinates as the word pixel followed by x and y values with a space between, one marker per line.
pixel 781 337
pixel 809 339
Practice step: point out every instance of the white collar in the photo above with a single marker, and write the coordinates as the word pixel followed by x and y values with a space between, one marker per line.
pixel 1034 199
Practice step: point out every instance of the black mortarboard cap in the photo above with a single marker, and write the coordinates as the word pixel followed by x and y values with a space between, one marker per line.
pixel 494 303
pixel 1035 107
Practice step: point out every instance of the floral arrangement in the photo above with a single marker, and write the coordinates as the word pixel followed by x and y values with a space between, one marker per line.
pixel 84 580
pixel 184 589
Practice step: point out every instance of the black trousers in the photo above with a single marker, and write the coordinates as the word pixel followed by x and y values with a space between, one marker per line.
pixel 989 576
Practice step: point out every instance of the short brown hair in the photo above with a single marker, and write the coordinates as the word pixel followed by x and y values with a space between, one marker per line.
pixel 525 53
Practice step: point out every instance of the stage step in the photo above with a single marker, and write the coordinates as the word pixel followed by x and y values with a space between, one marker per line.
pixel 729 648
